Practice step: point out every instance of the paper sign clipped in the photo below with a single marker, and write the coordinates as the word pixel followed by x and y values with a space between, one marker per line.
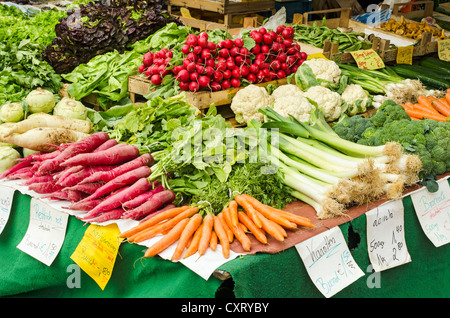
pixel 444 50
pixel 367 59
pixel 405 54
pixel 46 232
pixel 329 262
pixel 6 199
pixel 386 236
pixel 97 252
pixel 433 212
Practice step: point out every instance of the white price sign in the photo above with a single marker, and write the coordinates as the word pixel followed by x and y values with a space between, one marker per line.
pixel 433 211
pixel 329 262
pixel 6 199
pixel 46 232
pixel 386 236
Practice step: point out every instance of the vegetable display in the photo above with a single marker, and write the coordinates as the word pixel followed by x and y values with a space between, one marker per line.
pixel 98 27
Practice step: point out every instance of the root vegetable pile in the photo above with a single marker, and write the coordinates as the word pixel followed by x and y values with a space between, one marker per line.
pixel 195 232
pixel 108 180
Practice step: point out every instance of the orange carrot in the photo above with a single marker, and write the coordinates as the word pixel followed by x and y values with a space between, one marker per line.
pixel 272 228
pixel 408 105
pixel 296 219
pixel 213 240
pixel 208 222
pixel 229 232
pixel 243 227
pixel 154 220
pixel 447 95
pixel 188 232
pixel 151 232
pixel 425 110
pixel 233 206
pixel 426 103
pixel 442 106
pixel 222 236
pixel 237 231
pixel 262 208
pixel 167 240
pixel 421 115
pixel 195 241
pixel 251 211
pixel 256 231
pixel 414 118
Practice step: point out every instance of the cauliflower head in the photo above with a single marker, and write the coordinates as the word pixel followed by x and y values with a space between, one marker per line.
pixel 297 106
pixel 325 69
pixel 356 98
pixel 327 100
pixel 286 90
pixel 247 101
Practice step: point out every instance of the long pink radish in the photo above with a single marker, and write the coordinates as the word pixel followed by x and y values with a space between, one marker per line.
pixel 140 199
pixel 15 168
pixel 84 145
pixel 115 200
pixel 77 177
pixel 36 179
pixel 45 187
pixel 58 195
pixel 106 145
pixel 125 179
pixel 112 156
pixel 114 214
pixel 75 195
pixel 68 172
pixel 106 176
pixel 167 207
pixel 84 206
pixel 88 188
pixel 16 174
pixel 157 201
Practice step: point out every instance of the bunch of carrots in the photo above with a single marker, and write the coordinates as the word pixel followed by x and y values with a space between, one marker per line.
pixel 430 107
pixel 194 232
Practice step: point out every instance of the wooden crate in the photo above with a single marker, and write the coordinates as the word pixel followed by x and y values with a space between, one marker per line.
pixel 380 40
pixel 226 9
pixel 139 86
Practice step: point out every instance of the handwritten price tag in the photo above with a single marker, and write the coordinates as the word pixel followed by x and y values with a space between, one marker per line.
pixel 97 251
pixel 405 54
pixel 433 211
pixel 386 236
pixel 367 59
pixel 329 262
pixel 46 232
pixel 444 50
pixel 6 199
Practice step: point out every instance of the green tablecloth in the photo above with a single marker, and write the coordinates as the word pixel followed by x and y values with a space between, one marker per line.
pixel 280 275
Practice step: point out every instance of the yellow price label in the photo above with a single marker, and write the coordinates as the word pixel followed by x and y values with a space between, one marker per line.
pixel 97 251
pixel 444 50
pixel 405 55
pixel 316 56
pixel 368 59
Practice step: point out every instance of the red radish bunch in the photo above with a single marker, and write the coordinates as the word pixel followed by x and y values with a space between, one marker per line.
pixel 214 67
pixel 156 65
pixel 106 179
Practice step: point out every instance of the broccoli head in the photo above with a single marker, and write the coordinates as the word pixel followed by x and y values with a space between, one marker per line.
pixel 352 128
pixel 388 111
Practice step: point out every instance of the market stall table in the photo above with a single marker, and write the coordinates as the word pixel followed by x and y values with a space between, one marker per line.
pixel 279 275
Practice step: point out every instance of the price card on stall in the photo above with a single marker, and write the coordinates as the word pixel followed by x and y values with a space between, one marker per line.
pixel 444 50
pixel 386 236
pixel 97 252
pixel 6 199
pixel 329 262
pixel 405 54
pixel 368 59
pixel 46 232
pixel 433 211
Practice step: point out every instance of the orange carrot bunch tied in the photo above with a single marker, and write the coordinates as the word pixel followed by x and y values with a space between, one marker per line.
pixel 194 232
pixel 430 107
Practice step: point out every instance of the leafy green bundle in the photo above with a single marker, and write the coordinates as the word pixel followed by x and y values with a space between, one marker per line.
pixel 103 26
